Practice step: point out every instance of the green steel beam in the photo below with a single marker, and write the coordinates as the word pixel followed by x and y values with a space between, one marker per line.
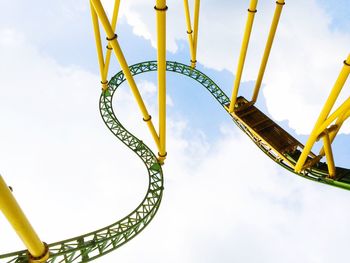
pixel 95 244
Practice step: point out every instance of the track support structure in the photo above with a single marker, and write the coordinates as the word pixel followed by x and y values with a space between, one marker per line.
pixel 37 250
pixel 99 14
pixel 245 42
pixel 192 34
pixel 272 33
pixel 248 29
pixel 161 9
pixel 323 127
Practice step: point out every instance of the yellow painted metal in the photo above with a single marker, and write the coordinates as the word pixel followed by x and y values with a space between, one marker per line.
pixel 273 28
pixel 189 29
pixel 14 214
pixel 243 53
pixel 195 33
pixel 329 155
pixel 109 47
pixel 339 123
pixel 98 46
pixel 333 133
pixel 192 34
pixel 324 120
pixel 103 63
pixel 123 64
pixel 161 60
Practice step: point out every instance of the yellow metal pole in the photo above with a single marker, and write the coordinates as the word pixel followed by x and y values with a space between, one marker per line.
pixel 335 115
pixel 273 28
pixel 112 38
pixel 329 155
pixel 8 205
pixel 98 46
pixel 339 123
pixel 109 47
pixel 189 29
pixel 161 9
pixel 322 123
pixel 195 33
pixel 248 29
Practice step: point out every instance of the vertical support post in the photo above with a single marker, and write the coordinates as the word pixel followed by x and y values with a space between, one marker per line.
pixel 98 46
pixel 248 29
pixel 38 251
pixel 112 38
pixel 189 29
pixel 109 47
pixel 161 9
pixel 343 75
pixel 195 33
pixel 273 28
pixel 339 122
pixel 104 64
pixel 329 155
pixel 192 34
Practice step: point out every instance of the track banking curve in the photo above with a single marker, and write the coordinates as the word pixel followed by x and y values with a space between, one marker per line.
pixel 95 244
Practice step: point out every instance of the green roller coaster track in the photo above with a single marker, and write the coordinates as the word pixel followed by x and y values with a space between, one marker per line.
pixel 95 244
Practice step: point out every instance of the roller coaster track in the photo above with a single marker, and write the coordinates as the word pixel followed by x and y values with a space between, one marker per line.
pixel 95 244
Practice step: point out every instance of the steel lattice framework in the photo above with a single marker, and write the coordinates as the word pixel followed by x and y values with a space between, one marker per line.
pixel 272 139
pixel 93 245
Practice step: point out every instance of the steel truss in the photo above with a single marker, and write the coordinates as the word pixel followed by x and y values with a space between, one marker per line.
pixel 95 244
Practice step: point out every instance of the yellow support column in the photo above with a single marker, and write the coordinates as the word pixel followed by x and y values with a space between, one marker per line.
pixel 339 122
pixel 104 64
pixel 38 251
pixel 248 29
pixel 195 33
pixel 189 29
pixel 273 28
pixel 98 46
pixel 329 155
pixel 112 38
pixel 321 123
pixel 109 47
pixel 192 34
pixel 161 9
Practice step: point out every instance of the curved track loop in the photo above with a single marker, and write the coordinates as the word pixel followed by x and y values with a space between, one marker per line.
pixel 90 246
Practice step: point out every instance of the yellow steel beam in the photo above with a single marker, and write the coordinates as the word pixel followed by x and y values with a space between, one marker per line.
pixel 339 123
pixel 248 29
pixel 334 116
pixel 189 28
pixel 98 46
pixel 104 63
pixel 109 47
pixel 161 9
pixel 192 34
pixel 195 33
pixel 329 155
pixel 8 205
pixel 273 28
pixel 323 120
pixel 112 38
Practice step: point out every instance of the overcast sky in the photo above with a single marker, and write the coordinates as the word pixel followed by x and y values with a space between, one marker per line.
pixel 224 201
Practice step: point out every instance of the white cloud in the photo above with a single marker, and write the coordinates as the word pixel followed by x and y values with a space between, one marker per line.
pixel 229 210
pixel 305 60
pixel 224 200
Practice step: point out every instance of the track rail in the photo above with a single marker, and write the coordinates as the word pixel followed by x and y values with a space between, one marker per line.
pixel 95 244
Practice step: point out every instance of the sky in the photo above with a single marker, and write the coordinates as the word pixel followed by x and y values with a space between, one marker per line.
pixel 224 201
